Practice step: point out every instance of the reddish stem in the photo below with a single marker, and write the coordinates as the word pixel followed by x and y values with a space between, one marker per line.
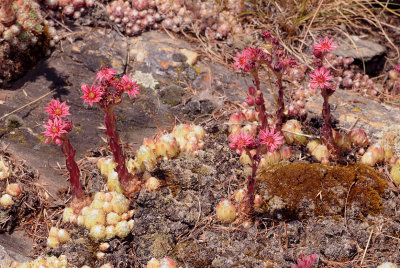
pixel 125 178
pixel 262 112
pixel 326 130
pixel 74 173
pixel 281 104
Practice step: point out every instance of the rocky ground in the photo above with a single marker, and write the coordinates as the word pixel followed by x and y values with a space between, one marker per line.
pixel 180 84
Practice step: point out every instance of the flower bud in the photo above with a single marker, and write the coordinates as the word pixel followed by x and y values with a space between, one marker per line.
pixel 252 91
pixel 259 100
pixel 250 101
pixel 226 211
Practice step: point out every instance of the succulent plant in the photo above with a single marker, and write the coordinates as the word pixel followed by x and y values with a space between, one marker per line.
pixel 226 211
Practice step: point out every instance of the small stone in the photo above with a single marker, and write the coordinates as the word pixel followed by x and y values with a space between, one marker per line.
pixel 190 55
pixel 178 57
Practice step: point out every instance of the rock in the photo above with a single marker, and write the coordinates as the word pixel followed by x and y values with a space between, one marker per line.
pixel 371 53
pixel 172 95
pixel 5 259
pixel 364 50
pixel 190 55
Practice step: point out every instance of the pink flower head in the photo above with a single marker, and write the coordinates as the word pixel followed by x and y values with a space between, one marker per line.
pixel 57 109
pixel 130 86
pixel 270 138
pixel 320 78
pixel 397 68
pixel 242 61
pixel 305 262
pixel 54 128
pixel 105 73
pixel 325 45
pixel 91 94
pixel 241 140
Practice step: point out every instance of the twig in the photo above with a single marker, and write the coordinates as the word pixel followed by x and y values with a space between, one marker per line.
pixel 311 22
pixel 366 247
pixel 345 203
pixel 26 105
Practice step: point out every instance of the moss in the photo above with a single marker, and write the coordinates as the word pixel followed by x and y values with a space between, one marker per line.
pixel 325 189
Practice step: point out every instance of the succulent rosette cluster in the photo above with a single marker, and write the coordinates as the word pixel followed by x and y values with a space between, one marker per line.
pixel 48 261
pixel 136 16
pixel 13 192
pixel 22 25
pixel 71 8
pixel 106 217
pixel 183 138
pixel 107 92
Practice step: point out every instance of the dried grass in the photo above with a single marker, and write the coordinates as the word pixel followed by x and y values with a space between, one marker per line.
pixel 299 23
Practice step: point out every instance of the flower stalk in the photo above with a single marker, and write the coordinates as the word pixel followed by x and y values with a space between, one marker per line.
pixel 320 78
pixel 57 128
pixel 107 92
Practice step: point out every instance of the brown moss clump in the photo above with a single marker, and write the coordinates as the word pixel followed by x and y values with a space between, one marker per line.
pixel 305 189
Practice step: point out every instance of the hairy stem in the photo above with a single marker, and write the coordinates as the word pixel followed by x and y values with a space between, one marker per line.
pixel 281 104
pixel 125 178
pixel 73 169
pixel 326 130
pixel 262 112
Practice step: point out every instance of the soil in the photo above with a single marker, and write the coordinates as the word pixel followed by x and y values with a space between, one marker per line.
pixel 27 207
pixel 353 221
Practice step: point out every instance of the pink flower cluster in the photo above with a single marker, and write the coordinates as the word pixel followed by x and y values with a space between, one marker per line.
pixel 243 140
pixel 108 88
pixel 305 262
pixel 320 78
pixel 56 125
pixel 251 58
